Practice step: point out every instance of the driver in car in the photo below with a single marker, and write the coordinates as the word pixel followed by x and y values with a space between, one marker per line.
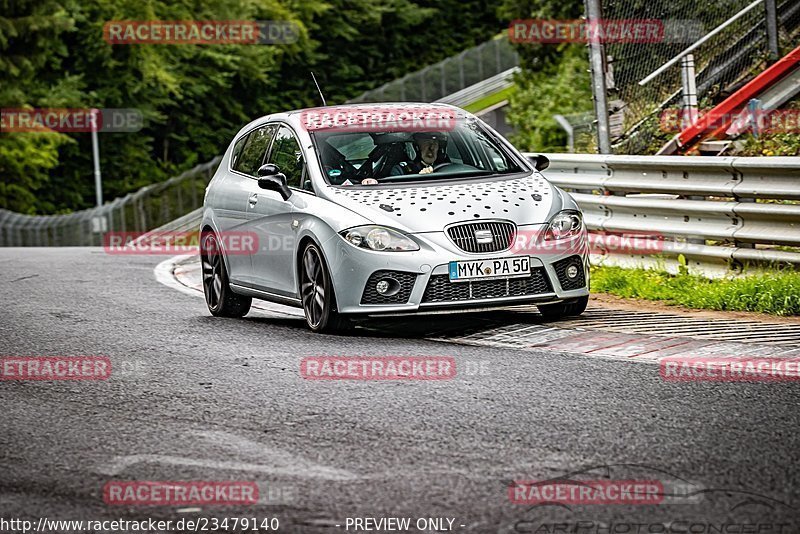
pixel 427 146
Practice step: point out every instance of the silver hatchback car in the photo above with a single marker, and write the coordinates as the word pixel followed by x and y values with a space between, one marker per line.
pixel 387 209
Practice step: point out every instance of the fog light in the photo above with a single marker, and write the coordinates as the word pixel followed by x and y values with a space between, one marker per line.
pixel 382 287
pixel 572 271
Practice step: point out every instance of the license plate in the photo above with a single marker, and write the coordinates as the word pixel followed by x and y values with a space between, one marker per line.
pixel 516 267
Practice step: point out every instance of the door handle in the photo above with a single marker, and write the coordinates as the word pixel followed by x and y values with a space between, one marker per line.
pixel 253 200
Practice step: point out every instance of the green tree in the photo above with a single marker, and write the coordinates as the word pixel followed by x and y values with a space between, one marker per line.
pixel 554 78
pixel 560 87
pixel 30 49
pixel 194 97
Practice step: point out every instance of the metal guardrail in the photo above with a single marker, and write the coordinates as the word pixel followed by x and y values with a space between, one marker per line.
pixel 489 86
pixel 148 208
pixel 712 210
pixel 715 211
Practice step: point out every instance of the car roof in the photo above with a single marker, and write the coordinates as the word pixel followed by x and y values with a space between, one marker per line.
pixel 382 105
pixel 294 117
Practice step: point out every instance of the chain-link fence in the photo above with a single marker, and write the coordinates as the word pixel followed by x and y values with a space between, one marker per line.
pixel 722 64
pixel 448 76
pixel 149 208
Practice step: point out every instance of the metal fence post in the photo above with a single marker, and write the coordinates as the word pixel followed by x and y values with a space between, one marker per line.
pixel 564 123
pixel 689 111
pixel 597 61
pixel 772 30
pixel 444 82
pixel 461 69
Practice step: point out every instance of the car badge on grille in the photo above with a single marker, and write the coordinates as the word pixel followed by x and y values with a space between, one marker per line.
pixel 484 236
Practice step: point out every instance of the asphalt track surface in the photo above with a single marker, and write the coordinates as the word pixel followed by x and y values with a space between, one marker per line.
pixel 194 397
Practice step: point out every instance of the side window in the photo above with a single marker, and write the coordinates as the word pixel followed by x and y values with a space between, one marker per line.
pixel 286 154
pixel 253 149
pixel 237 150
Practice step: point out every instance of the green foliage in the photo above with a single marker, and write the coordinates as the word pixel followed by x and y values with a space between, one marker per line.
pixel 194 97
pixel 560 87
pixel 783 141
pixel 783 144
pixel 554 78
pixel 776 293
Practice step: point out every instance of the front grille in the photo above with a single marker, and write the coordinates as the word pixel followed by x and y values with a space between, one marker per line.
pixel 463 235
pixel 441 289
pixel 406 281
pixel 561 271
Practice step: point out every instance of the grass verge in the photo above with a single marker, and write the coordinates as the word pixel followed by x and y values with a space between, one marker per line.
pixel 775 293
pixel 490 100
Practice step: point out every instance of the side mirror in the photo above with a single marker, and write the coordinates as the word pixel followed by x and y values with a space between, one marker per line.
pixel 270 169
pixel 275 182
pixel 540 162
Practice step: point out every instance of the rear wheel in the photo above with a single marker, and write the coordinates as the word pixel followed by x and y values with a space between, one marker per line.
pixel 564 309
pixel 220 298
pixel 316 293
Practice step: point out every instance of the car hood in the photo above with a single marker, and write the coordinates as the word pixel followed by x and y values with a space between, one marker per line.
pixel 430 207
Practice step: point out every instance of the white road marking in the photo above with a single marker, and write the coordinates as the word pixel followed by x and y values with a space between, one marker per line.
pixel 164 274
pixel 186 279
pixel 284 464
pixel 594 343
pixel 278 462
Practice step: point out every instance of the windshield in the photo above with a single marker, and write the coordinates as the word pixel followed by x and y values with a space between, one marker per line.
pixel 385 156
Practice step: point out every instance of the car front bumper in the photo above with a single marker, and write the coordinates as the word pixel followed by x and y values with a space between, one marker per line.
pixel 351 269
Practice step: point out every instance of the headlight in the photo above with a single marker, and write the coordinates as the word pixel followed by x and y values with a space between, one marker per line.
pixel 378 238
pixel 564 225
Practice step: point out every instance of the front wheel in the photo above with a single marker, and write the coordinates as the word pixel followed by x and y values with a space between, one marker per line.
pixel 316 292
pixel 564 309
pixel 220 298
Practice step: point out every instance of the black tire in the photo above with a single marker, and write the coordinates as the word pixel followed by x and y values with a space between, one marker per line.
pixel 220 298
pixel 317 295
pixel 571 308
